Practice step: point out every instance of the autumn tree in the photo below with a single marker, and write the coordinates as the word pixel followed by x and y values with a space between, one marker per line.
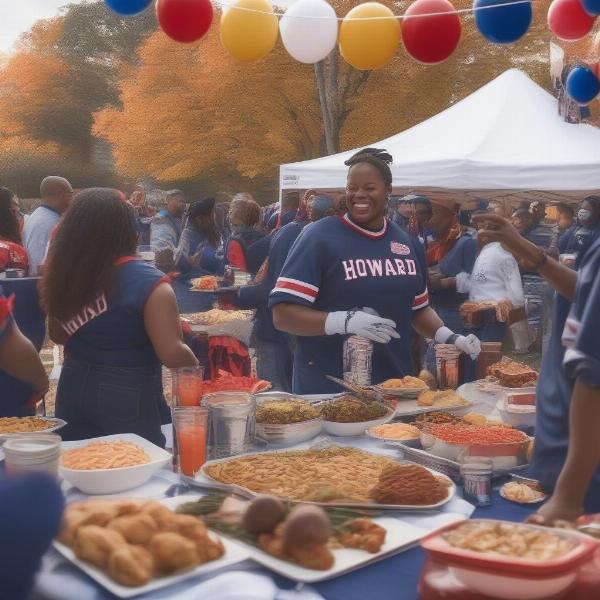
pixel 192 112
pixel 360 107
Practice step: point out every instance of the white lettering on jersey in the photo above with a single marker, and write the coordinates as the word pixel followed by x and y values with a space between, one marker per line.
pixel 90 312
pixel 375 267
pixel 389 268
pixel 361 268
pixel 378 267
pixel 349 268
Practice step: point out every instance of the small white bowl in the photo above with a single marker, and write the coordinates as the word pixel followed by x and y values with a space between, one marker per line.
pixel 289 434
pixel 354 429
pixel 113 481
pixel 519 420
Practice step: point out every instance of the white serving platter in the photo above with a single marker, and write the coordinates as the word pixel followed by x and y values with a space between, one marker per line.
pixel 400 537
pixel 234 553
pixel 204 480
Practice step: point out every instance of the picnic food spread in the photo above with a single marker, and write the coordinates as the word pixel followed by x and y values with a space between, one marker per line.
pixel 216 316
pixel 332 474
pixel 104 455
pixel 472 434
pixel 348 409
pixel 284 412
pixel 24 424
pixel 395 431
pixel 507 539
pixel 441 399
pixel 408 484
pixel 205 284
pixel 303 534
pixel 135 541
pixel 512 374
pixel 406 383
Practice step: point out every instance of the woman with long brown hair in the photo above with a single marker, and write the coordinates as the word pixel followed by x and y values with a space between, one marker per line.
pixel 117 318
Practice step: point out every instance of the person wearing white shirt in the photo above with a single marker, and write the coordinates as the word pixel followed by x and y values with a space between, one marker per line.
pixel 495 276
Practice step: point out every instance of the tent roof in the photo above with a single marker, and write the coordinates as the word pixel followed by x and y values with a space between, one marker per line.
pixel 505 136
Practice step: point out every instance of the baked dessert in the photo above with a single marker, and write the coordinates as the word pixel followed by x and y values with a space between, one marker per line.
pixel 512 374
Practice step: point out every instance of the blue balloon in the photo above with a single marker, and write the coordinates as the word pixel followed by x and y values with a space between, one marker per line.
pixel 592 7
pixel 582 85
pixel 503 24
pixel 128 8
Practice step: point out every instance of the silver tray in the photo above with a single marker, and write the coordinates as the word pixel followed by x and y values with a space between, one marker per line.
pixel 445 466
pixel 201 480
pixel 58 424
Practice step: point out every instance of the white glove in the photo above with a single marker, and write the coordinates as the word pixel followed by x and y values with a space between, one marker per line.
pixel 469 345
pixel 374 328
pixel 463 283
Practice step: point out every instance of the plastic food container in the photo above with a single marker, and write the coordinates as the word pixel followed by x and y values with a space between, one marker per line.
pixel 33 453
pixel 515 410
pixel 504 456
pixel 512 578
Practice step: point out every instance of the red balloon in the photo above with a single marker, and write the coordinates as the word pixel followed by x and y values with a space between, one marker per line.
pixel 432 39
pixel 568 20
pixel 184 20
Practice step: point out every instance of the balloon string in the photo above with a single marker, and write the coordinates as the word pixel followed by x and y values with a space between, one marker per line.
pixel 395 17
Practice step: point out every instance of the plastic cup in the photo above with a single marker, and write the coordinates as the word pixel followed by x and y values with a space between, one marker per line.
pixel 190 429
pixel 189 382
pixel 39 452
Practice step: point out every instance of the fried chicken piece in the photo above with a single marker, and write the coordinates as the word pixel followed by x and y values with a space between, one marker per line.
pixel 136 529
pixel 195 530
pixel 163 517
pixel 130 565
pixel 364 535
pixel 172 552
pixel 272 543
pixel 94 544
pixel 312 556
pixel 71 522
pixel 189 526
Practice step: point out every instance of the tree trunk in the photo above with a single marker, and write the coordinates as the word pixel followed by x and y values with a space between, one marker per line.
pixel 326 74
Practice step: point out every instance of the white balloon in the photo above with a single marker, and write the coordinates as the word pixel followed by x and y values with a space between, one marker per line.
pixel 309 40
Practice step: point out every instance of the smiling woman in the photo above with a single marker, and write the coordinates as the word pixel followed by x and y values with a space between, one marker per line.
pixel 339 268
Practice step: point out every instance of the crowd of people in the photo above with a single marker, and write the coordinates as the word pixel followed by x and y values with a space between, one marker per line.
pixel 323 266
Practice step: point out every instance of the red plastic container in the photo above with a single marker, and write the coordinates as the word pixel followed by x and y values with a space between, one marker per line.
pixel 495 576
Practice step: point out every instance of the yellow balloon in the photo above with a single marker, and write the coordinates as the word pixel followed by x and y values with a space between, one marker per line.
pixel 369 44
pixel 248 35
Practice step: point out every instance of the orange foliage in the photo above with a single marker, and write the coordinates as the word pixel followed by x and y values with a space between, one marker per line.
pixel 191 111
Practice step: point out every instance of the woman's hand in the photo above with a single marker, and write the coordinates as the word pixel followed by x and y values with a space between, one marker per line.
pixel 470 345
pixel 556 512
pixel 499 229
pixel 363 324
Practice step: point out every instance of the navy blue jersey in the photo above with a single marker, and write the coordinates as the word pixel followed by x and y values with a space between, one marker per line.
pixel 257 296
pixel 111 331
pixel 336 265
pixel 461 258
pixel 580 337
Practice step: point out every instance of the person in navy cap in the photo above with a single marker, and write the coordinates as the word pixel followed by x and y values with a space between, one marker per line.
pixel 117 318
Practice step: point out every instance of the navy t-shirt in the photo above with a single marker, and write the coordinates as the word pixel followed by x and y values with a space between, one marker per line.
pixel 111 331
pixel 336 265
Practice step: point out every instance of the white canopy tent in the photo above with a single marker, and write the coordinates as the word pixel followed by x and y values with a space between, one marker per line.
pixel 507 137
